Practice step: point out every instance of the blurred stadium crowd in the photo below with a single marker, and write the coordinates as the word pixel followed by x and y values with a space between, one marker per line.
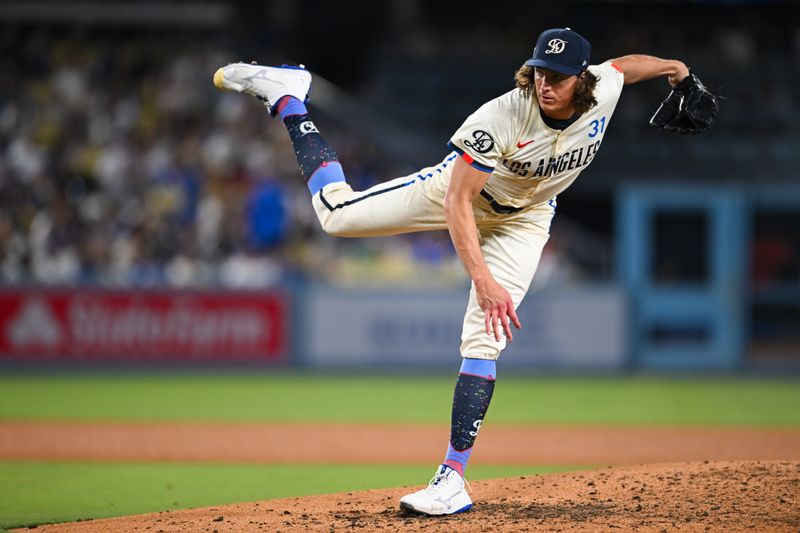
pixel 121 165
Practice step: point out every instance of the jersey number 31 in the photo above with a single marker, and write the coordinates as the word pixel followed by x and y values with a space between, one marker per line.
pixel 598 126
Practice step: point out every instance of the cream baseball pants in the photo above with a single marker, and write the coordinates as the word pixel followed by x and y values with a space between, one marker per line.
pixel 511 243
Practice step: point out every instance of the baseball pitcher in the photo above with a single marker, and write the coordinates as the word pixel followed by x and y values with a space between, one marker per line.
pixel 495 192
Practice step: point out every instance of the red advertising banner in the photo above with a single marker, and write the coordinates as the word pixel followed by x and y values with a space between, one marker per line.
pixel 104 325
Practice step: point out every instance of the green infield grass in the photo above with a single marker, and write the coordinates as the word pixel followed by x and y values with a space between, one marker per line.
pixel 34 493
pixel 313 398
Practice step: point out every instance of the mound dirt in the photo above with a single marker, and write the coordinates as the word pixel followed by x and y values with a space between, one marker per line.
pixel 696 496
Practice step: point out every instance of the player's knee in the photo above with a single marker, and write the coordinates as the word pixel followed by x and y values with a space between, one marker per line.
pixel 329 226
pixel 334 227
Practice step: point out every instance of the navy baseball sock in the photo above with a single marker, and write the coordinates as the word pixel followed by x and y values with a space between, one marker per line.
pixel 473 393
pixel 318 161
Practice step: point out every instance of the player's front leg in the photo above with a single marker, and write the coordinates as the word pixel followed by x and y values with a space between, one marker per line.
pixel 512 251
pixel 398 206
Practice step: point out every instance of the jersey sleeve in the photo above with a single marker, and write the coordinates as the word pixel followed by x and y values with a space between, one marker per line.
pixel 486 134
pixel 611 79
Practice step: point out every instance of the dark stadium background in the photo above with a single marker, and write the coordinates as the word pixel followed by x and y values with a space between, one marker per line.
pixel 121 167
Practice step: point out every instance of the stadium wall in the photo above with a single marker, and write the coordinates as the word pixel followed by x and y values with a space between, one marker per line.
pixel 309 326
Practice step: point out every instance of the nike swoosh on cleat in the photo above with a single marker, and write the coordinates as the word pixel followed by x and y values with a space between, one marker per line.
pixel 523 145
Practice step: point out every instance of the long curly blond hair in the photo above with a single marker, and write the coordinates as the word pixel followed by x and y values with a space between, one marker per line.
pixel 584 90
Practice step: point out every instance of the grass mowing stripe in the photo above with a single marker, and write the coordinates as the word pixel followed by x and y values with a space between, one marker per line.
pixel 34 493
pixel 310 398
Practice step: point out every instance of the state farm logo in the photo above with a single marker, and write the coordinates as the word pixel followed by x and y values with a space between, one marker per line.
pixel 110 325
pixel 34 325
pixel 179 325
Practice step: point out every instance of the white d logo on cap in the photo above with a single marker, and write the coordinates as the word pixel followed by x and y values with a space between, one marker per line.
pixel 556 46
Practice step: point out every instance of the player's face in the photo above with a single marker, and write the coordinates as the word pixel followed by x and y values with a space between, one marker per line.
pixel 555 91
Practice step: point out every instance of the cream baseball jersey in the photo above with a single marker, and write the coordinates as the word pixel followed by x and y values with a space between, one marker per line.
pixel 531 163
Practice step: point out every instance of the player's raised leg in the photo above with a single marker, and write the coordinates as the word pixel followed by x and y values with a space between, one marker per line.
pixel 410 203
pixel 285 90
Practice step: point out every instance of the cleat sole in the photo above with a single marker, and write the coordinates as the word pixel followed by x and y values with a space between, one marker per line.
pixel 408 508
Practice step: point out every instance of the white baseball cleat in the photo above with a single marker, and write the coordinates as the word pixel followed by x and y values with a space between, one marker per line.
pixel 267 83
pixel 445 494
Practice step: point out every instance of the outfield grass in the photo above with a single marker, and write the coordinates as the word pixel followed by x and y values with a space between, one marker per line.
pixel 305 398
pixel 41 492
pixel 45 492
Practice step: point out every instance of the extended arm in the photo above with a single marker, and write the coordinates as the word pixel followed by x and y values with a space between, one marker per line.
pixel 638 67
pixel 465 185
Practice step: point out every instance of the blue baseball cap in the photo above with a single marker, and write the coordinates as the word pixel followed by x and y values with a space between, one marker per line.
pixel 562 50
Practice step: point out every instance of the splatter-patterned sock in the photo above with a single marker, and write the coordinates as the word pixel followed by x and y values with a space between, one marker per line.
pixel 473 393
pixel 318 161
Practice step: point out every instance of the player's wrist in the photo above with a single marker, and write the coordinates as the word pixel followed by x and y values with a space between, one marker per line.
pixel 482 279
pixel 677 71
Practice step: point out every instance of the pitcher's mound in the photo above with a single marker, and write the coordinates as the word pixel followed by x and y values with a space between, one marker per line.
pixel 715 496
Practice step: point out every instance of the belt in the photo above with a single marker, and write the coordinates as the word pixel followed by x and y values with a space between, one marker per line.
pixel 499 208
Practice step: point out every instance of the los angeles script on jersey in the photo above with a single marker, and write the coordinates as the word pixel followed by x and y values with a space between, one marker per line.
pixel 567 161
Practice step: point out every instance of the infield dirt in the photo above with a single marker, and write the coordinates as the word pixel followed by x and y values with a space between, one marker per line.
pixel 366 443
pixel 734 479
